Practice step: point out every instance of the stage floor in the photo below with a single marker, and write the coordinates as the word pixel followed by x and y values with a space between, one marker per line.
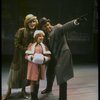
pixel 84 85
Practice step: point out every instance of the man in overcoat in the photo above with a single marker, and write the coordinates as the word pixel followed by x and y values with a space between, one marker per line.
pixel 61 59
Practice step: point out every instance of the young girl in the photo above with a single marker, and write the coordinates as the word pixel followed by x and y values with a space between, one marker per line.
pixel 37 55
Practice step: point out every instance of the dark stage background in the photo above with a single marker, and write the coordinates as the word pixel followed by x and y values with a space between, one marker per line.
pixel 83 42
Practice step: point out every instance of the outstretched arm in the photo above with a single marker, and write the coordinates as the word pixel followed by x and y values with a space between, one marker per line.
pixel 76 22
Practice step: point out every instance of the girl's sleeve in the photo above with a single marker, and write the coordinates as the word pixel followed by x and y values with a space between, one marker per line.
pixel 29 57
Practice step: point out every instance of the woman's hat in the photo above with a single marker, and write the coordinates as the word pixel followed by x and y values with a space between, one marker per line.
pixel 29 18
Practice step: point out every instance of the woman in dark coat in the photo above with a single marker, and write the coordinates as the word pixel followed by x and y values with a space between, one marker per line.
pixel 18 69
pixel 61 58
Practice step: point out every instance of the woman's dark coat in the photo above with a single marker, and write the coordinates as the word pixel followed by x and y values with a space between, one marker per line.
pixel 18 69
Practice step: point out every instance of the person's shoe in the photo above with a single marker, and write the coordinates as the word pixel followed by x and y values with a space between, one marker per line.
pixel 45 91
pixel 6 96
pixel 24 95
pixel 36 98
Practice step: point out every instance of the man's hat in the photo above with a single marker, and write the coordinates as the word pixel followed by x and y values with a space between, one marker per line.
pixel 43 21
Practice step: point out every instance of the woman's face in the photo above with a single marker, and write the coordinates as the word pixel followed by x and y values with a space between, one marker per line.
pixel 32 24
pixel 40 38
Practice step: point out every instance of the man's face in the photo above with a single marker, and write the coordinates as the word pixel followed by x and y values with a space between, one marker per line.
pixel 47 27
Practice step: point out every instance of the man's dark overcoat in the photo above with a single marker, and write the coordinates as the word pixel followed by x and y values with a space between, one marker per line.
pixel 61 51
